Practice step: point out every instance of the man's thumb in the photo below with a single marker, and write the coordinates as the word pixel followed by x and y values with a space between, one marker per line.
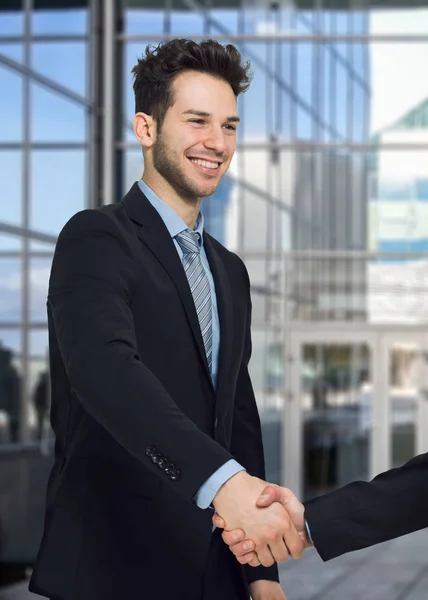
pixel 269 495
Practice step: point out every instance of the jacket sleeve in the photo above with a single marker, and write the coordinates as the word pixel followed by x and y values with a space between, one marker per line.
pixel 246 443
pixel 362 514
pixel 89 296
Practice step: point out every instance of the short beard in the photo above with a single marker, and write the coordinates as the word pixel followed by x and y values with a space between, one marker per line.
pixel 166 164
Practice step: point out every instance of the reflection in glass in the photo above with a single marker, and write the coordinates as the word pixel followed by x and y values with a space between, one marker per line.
pixel 11 178
pixel 39 388
pixel 10 389
pixel 404 391
pixel 336 397
pixel 10 290
pixel 39 281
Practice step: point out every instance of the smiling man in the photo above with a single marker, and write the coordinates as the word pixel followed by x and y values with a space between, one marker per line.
pixel 152 405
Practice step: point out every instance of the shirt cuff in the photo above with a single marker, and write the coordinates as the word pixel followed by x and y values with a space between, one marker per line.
pixel 309 531
pixel 208 491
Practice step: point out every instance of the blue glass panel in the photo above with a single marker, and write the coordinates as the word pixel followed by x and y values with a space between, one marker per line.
pixel 68 21
pixel 11 186
pixel 10 289
pixel 11 125
pixel 56 119
pixel 139 22
pixel 63 62
pixel 58 187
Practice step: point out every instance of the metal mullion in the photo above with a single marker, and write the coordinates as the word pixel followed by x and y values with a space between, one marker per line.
pixel 13 39
pixel 281 37
pixel 44 145
pixel 34 254
pixel 338 56
pixel 18 325
pixel 26 232
pixel 297 146
pixel 240 160
pixel 192 4
pixel 94 117
pixel 108 149
pixel 25 221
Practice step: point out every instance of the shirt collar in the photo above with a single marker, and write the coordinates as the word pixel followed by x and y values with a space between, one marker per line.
pixel 174 223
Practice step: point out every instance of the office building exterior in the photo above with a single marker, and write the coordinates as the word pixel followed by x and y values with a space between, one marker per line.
pixel 324 201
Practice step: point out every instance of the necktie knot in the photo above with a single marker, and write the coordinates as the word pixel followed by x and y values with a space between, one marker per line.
pixel 188 241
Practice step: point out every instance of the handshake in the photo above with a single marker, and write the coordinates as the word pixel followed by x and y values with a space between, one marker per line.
pixel 263 523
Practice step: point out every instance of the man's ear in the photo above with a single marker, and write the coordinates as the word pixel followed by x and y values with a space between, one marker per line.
pixel 145 129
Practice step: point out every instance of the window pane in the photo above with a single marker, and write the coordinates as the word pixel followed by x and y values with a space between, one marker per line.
pixel 10 385
pixel 401 20
pixel 63 62
pixel 217 211
pixel 11 22
pixel 11 178
pixel 55 119
pixel 185 21
pixel 13 51
pixel 39 281
pixel 69 21
pixel 58 188
pixel 228 17
pixel 133 168
pixel 10 289
pixel 11 125
pixel 9 242
pixel 144 21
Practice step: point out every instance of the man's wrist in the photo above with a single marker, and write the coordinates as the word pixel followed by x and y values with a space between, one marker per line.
pixel 229 486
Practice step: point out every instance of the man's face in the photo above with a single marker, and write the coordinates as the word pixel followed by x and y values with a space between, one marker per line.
pixel 197 140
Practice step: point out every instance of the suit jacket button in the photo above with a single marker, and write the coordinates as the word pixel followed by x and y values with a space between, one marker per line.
pixel 151 451
pixel 157 458
pixel 175 475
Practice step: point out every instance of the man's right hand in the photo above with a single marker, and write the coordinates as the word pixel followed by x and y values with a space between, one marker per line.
pixel 270 528
pixel 242 545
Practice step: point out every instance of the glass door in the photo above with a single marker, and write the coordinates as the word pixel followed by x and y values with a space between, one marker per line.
pixel 356 404
pixel 328 420
pixel 405 370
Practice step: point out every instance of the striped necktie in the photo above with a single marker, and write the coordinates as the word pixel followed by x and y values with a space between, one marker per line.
pixel 199 286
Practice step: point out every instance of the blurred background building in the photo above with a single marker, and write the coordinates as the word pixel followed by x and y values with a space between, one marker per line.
pixel 326 201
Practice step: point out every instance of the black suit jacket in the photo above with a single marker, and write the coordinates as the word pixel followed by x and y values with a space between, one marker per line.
pixel 362 514
pixel 139 427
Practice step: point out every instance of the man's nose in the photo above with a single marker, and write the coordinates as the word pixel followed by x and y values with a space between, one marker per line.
pixel 215 140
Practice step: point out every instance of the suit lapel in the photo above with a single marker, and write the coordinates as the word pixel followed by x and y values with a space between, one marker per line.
pixel 225 311
pixel 155 235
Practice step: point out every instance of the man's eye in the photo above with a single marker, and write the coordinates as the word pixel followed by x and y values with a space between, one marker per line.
pixel 231 127
pixel 199 121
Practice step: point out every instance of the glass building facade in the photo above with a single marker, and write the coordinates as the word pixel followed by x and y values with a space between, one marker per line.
pixel 325 201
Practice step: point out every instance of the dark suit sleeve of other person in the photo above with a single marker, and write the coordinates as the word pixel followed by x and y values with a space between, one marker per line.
pixel 89 296
pixel 246 443
pixel 362 514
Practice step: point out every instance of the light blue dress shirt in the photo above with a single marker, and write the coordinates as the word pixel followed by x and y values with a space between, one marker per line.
pixel 176 225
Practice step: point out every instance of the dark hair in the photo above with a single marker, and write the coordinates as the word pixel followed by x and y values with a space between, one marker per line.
pixel 156 70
